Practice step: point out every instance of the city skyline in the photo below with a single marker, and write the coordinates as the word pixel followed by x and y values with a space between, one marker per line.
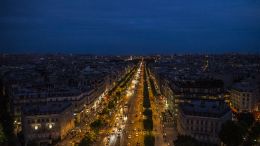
pixel 130 73
pixel 87 100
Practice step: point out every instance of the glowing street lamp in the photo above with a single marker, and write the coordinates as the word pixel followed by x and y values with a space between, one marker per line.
pixel 36 127
pixel 50 126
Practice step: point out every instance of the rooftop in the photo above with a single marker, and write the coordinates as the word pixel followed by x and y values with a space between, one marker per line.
pixel 245 86
pixel 205 108
pixel 46 109
pixel 200 83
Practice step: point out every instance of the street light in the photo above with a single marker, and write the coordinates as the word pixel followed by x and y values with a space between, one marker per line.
pixel 36 127
pixel 50 126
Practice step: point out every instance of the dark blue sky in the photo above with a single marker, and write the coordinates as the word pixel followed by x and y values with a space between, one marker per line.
pixel 129 26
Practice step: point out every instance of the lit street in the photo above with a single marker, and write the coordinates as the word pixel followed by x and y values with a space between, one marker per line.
pixel 127 125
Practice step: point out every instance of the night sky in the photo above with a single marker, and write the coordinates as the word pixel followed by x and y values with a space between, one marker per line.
pixel 129 26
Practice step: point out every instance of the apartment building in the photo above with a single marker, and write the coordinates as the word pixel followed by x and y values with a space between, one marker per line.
pixel 244 96
pixel 202 119
pixel 45 123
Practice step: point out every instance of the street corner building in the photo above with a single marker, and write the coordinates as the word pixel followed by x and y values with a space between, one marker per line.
pixel 47 123
pixel 202 119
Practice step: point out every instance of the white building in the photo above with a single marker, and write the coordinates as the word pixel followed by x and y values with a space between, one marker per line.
pixel 45 123
pixel 202 119
pixel 244 97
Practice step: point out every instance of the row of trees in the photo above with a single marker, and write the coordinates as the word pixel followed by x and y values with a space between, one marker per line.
pixel 122 81
pixel 152 84
pixel 146 99
pixel 149 139
pixel 253 135
pixel 245 131
pixel 115 95
pixel 7 136
pixel 98 124
pixel 2 135
pixel 91 136
pixel 153 87
pixel 183 140
pixel 117 92
pixel 148 122
pixel 232 133
pixel 89 139
pixel 121 88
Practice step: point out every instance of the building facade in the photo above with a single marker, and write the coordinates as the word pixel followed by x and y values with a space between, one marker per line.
pixel 244 97
pixel 45 123
pixel 202 119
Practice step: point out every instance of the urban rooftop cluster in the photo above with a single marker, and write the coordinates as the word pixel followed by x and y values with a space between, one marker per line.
pixel 180 100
